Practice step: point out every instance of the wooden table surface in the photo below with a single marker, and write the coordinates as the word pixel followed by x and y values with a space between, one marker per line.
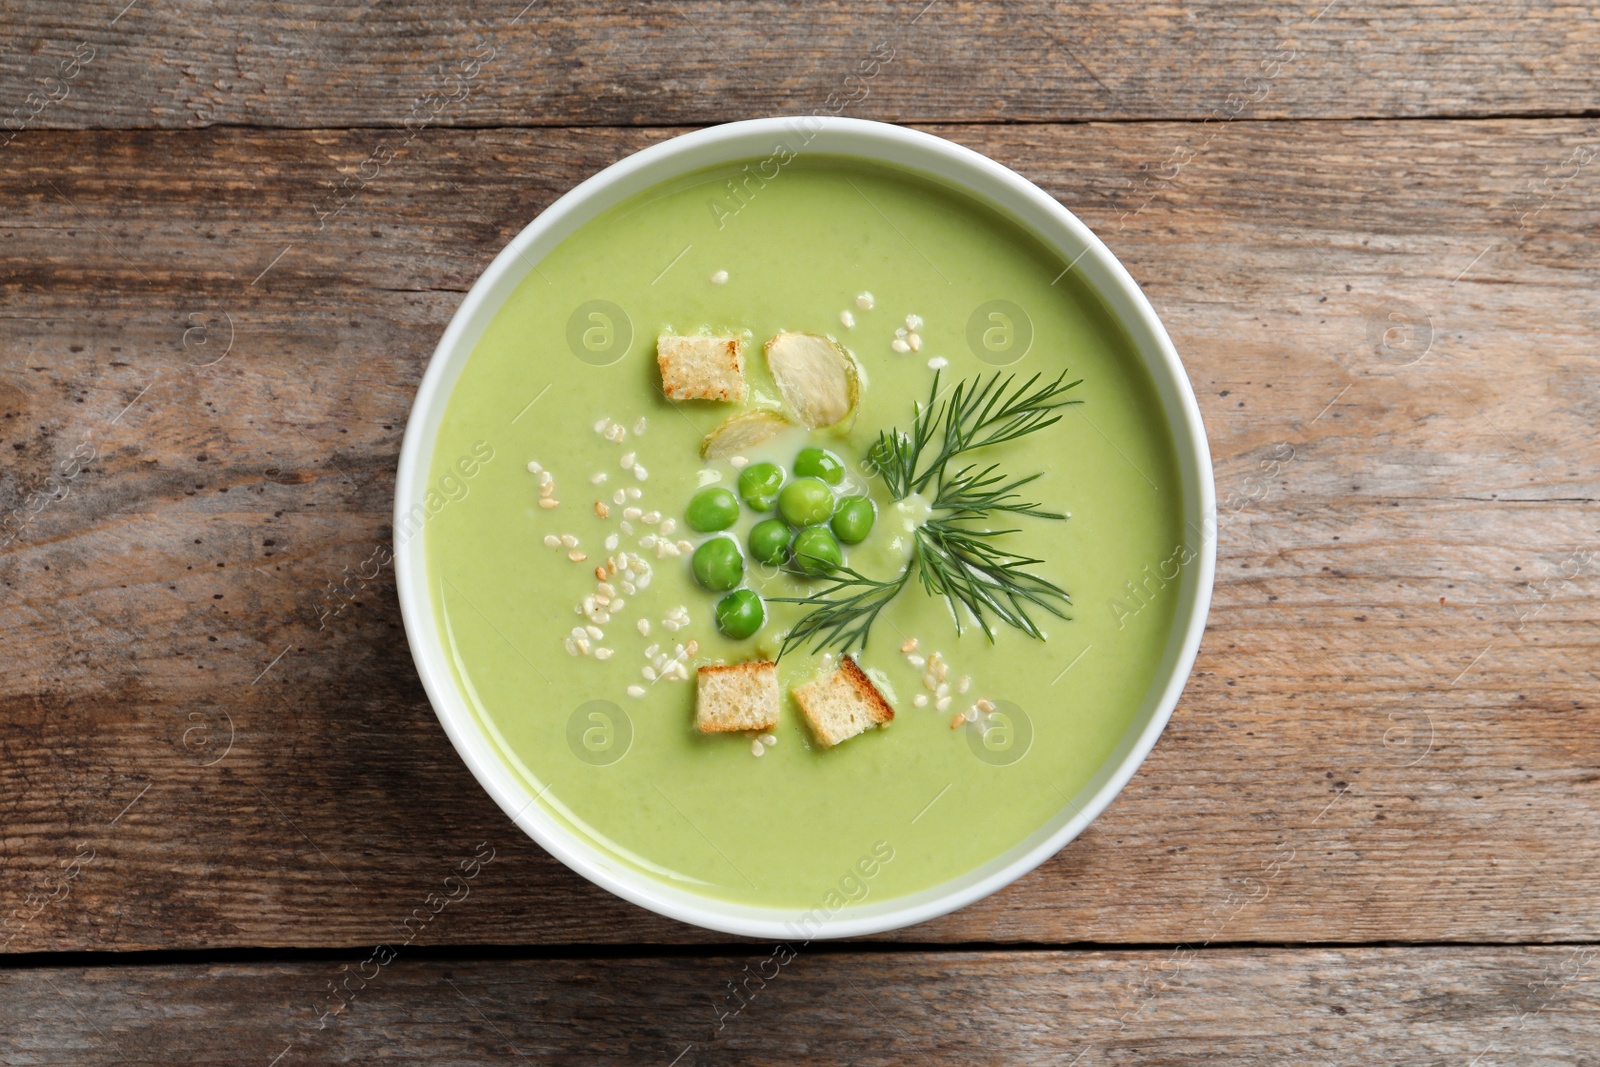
pixel 1371 833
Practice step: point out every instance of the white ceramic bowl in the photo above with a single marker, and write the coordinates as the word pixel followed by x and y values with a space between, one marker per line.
pixel 989 182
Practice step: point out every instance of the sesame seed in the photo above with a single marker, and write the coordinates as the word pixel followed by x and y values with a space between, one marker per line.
pixel 626 527
pixel 956 720
pixel 768 740
pixel 619 497
pixel 597 478
pixel 938 363
pixel 965 683
pixel 638 427
pixel 634 492
pixel 901 333
pixel 627 460
pixel 549 502
pixel 600 427
pixel 738 462
pixel 757 748
pixel 631 513
pixel 640 473
pixel 636 690
pixel 929 682
pixel 972 714
pixel 552 541
pixel 571 646
pixel 629 588
pixel 651 651
pixel 899 346
pixel 942 691
pixel 569 541
pixel 916 661
pixel 651 517
pixel 910 645
pixel 644 627
pixel 602 653
pixel 668 525
pixel 583 645
pixel 685 546
pixel 942 704
pixel 915 341
pixel 546 478
pixel 864 300
pixel 600 573
pixel 648 672
pixel 913 322
pixel 594 632
pixel 617 604
pixel 576 556
pixel 611 542
pixel 601 510
pixel 648 541
pixel 985 706
pixel 848 319
pixel 692 648
pixel 533 466
pixel 920 700
pixel 719 277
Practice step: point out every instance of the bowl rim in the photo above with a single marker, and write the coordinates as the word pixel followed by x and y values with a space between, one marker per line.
pixel 1001 189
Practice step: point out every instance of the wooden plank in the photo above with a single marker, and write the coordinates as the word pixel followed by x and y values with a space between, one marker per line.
pixel 787 1005
pixel 1390 733
pixel 699 61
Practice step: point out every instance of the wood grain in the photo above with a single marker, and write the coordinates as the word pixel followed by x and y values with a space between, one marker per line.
pixel 322 64
pixel 1425 1006
pixel 1390 734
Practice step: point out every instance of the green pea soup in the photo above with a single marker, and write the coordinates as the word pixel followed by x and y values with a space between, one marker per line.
pixel 831 247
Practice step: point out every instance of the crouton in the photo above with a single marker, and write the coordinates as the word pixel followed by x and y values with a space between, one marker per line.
pixel 842 705
pixel 701 368
pixel 743 697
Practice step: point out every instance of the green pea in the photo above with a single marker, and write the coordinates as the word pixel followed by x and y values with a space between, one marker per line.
pixel 769 541
pixel 816 552
pixel 819 463
pixel 853 519
pixel 711 510
pixel 805 502
pixel 718 564
pixel 740 614
pixel 759 484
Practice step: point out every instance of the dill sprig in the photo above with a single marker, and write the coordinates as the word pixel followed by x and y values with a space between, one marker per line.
pixel 952 555
pixel 844 611
pixel 975 415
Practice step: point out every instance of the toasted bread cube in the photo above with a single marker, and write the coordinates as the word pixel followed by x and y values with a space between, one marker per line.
pixel 701 368
pixel 742 697
pixel 842 705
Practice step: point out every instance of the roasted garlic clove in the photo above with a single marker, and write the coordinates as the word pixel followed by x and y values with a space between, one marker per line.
pixel 819 380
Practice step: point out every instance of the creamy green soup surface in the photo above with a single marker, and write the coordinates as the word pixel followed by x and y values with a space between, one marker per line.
pixel 605 738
